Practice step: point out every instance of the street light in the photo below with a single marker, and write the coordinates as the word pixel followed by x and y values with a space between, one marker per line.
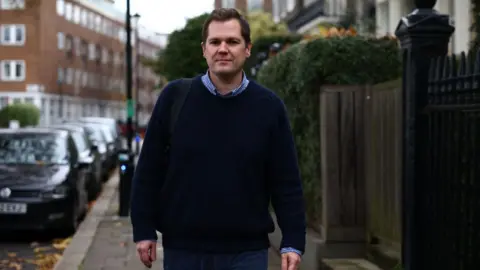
pixel 136 18
pixel 126 157
pixel 60 91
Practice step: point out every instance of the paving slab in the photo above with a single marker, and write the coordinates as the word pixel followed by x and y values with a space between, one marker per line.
pixel 113 248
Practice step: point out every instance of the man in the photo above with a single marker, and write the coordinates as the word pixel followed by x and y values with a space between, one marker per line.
pixel 231 153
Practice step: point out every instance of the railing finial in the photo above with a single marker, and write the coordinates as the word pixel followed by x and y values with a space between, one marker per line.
pixel 425 4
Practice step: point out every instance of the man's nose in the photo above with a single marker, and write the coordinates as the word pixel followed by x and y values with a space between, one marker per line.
pixel 223 47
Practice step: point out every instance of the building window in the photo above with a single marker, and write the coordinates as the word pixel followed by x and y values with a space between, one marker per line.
pixel 84 79
pixel 122 35
pixel 104 56
pixel 98 23
pixel 13 70
pixel 68 11
pixel 69 43
pixel 60 40
pixel 78 77
pixel 69 76
pixel 254 5
pixel 60 75
pixel 61 7
pixel 91 20
pixel 228 3
pixel 77 46
pixel 29 100
pixel 91 51
pixel 291 4
pixel 84 21
pixel 76 14
pixel 84 49
pixel 3 102
pixel 276 11
pixel 9 4
pixel 13 34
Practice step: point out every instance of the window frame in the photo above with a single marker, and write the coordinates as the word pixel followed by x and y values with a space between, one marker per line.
pixel 3 76
pixel 13 34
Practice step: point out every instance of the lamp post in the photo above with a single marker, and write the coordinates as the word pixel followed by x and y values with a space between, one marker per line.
pixel 60 91
pixel 126 157
pixel 136 18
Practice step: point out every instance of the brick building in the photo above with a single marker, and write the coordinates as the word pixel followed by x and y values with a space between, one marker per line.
pixel 67 57
pixel 245 5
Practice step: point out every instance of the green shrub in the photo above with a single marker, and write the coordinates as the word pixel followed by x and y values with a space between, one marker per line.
pixel 297 74
pixel 26 114
pixel 262 44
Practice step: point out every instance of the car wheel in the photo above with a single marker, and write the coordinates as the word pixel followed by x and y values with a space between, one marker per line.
pixel 72 220
pixel 94 189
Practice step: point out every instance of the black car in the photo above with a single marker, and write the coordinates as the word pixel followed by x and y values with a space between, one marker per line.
pixel 112 126
pixel 96 134
pixel 88 153
pixel 110 141
pixel 42 180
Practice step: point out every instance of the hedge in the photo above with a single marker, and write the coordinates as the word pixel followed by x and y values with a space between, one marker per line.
pixel 297 74
pixel 26 114
pixel 263 44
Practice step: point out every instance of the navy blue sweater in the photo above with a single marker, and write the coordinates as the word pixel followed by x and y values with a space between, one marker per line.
pixel 228 158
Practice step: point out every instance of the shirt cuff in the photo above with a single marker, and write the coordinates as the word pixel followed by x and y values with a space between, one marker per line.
pixel 289 249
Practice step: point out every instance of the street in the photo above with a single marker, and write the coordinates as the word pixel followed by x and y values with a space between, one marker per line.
pixel 29 250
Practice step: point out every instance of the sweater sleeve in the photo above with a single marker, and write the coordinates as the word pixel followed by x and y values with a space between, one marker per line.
pixel 150 171
pixel 285 183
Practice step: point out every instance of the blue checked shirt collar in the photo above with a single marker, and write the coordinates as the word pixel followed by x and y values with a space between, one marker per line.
pixel 235 92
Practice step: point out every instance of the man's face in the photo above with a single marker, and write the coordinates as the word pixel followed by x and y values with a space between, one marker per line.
pixel 225 48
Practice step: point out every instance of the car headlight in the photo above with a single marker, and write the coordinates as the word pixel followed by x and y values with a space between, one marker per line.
pixel 59 192
pixel 102 149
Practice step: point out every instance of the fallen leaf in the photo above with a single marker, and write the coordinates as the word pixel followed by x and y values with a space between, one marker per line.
pixel 41 249
pixel 63 244
pixel 15 266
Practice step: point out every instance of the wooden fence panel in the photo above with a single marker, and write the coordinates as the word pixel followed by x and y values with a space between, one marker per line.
pixel 343 189
pixel 383 156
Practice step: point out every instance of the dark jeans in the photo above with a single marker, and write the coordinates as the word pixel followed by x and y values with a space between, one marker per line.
pixel 185 260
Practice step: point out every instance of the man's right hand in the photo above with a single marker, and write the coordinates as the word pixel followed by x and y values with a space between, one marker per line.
pixel 147 251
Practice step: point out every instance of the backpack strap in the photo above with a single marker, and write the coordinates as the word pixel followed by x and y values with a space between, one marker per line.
pixel 181 93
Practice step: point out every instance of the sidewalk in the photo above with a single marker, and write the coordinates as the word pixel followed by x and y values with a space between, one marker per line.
pixel 110 246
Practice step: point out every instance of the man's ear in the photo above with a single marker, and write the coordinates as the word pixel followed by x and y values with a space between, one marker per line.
pixel 248 49
pixel 203 48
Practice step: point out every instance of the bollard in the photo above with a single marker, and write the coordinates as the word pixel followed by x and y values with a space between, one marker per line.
pixel 126 161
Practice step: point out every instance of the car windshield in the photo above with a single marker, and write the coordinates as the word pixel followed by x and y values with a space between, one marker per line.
pixel 106 134
pixel 32 148
pixel 94 134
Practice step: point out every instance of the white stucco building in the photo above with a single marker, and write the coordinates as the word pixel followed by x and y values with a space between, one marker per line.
pixel 389 13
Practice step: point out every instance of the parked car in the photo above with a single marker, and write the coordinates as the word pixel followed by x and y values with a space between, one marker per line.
pixel 100 136
pixel 88 152
pixel 110 141
pixel 112 125
pixel 42 180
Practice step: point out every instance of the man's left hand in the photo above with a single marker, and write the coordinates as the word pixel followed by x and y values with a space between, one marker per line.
pixel 290 261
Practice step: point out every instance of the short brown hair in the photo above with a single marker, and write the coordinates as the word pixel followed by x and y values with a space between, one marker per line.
pixel 223 15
